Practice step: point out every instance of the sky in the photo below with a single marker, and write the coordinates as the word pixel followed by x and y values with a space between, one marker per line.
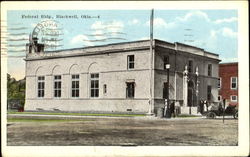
pixel 215 31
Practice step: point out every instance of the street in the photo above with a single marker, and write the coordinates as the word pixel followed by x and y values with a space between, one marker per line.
pixel 98 131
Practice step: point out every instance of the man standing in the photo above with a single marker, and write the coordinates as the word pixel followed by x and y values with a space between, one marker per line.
pixel 172 109
pixel 201 106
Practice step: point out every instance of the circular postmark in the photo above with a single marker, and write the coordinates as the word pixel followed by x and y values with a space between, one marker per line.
pixel 49 33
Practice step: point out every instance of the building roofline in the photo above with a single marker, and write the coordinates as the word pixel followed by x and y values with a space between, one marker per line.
pixel 229 63
pixel 111 44
pixel 157 40
pixel 141 44
pixel 189 46
pixel 137 41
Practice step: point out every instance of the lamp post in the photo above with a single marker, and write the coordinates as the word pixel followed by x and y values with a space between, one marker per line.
pixel 168 113
pixel 185 86
pixel 197 85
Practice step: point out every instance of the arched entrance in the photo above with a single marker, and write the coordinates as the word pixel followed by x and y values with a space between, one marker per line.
pixel 190 101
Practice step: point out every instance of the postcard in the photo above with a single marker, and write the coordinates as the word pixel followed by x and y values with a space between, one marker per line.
pixel 124 78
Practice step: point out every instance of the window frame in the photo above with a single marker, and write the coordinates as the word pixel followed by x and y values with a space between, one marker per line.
pixel 231 98
pixel 209 70
pixel 40 91
pixel 231 83
pixel 219 82
pixel 75 89
pixel 190 68
pixel 129 90
pixel 129 62
pixel 96 90
pixel 219 96
pixel 57 90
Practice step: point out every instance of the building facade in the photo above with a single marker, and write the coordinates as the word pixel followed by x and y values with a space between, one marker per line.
pixel 126 77
pixel 228 83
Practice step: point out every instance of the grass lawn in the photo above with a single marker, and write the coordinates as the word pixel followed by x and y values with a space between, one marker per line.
pixel 187 116
pixel 78 114
pixel 41 120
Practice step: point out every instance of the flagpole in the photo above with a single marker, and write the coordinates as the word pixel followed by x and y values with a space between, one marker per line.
pixel 151 63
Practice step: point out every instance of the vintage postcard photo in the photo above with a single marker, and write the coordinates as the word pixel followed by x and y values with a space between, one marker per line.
pixel 124 78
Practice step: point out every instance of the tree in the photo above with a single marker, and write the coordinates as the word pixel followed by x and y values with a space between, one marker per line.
pixel 16 89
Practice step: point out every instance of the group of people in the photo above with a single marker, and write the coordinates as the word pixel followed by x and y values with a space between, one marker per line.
pixel 202 107
pixel 171 111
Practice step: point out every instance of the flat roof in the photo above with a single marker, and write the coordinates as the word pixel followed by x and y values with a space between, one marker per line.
pixel 137 41
pixel 124 46
pixel 229 63
pixel 105 45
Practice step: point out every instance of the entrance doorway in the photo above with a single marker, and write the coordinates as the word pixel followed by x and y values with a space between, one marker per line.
pixel 190 93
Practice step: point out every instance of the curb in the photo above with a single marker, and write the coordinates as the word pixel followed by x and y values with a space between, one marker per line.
pixel 44 116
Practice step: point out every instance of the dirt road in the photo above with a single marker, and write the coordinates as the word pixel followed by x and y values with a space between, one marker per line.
pixel 124 131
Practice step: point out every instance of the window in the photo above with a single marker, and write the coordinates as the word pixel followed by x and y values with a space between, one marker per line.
pixel 165 61
pixel 219 98
pixel 165 90
pixel 234 98
pixel 40 84
pixel 104 89
pixel 219 83
pixel 130 90
pixel 209 70
pixel 94 88
pixel 75 86
pixel 209 94
pixel 57 86
pixel 131 61
pixel 190 66
pixel 233 82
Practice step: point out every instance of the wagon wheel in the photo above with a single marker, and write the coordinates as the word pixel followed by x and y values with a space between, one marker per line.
pixel 211 115
pixel 236 115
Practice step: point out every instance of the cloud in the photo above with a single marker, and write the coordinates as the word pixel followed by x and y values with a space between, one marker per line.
pixel 193 14
pixel 161 23
pixel 109 26
pixel 97 25
pixel 134 22
pixel 223 60
pixel 225 20
pixel 108 29
pixel 213 33
pixel 81 39
pixel 227 32
pixel 65 31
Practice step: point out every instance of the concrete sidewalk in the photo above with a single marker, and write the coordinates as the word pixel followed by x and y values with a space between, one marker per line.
pixel 46 116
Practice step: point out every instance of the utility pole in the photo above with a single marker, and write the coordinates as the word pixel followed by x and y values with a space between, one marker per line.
pixel 224 105
pixel 151 62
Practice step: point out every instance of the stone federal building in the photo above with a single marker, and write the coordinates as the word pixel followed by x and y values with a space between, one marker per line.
pixel 129 77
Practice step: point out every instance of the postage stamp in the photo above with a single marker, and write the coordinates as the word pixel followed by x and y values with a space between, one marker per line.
pixel 50 33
